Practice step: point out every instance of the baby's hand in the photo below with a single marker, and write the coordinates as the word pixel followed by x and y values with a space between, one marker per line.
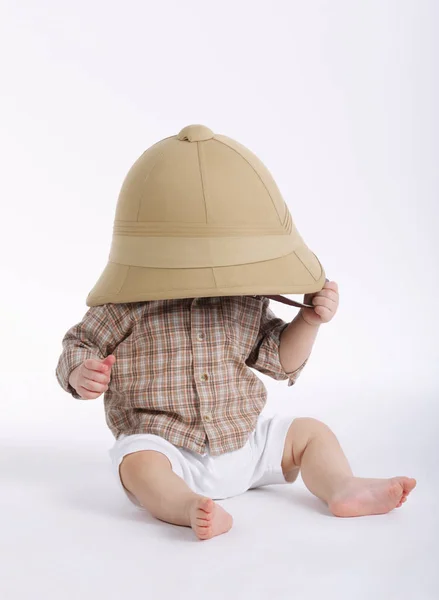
pixel 325 304
pixel 91 379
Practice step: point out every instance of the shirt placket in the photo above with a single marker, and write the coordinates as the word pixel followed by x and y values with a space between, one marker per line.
pixel 202 373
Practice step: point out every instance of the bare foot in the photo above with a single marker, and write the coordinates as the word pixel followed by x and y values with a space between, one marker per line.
pixel 209 519
pixel 359 497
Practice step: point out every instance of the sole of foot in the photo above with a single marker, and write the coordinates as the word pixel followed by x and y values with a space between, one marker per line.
pixel 209 519
pixel 360 497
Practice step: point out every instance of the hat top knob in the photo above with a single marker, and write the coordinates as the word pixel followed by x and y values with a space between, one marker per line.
pixel 195 133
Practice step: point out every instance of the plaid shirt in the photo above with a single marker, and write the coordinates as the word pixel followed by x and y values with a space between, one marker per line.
pixel 182 366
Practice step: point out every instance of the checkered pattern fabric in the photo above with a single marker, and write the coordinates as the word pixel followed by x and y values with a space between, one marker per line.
pixel 183 367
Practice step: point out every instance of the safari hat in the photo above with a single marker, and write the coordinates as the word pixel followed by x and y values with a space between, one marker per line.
pixel 199 215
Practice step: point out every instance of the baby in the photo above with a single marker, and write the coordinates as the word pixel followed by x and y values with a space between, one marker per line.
pixel 178 322
pixel 185 406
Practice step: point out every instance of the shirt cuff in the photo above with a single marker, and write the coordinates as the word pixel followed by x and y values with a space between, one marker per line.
pixel 68 362
pixel 274 337
pixel 293 375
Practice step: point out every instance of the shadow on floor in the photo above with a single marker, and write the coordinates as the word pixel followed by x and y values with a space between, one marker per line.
pixel 79 479
pixel 293 495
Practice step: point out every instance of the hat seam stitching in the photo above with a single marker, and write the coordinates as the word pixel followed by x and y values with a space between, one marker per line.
pixel 202 181
pixel 143 182
pixel 189 229
pixel 124 280
pixel 255 171
pixel 313 276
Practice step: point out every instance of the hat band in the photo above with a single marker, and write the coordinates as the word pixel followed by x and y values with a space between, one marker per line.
pixel 193 252
pixel 188 229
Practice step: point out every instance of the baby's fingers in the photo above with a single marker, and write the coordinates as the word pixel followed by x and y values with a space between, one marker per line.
pixel 96 365
pixel 93 386
pixel 331 285
pixel 87 394
pixel 324 313
pixel 324 301
pixel 328 294
pixel 95 375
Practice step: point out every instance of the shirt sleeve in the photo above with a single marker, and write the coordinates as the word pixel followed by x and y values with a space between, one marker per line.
pixel 264 356
pixel 97 335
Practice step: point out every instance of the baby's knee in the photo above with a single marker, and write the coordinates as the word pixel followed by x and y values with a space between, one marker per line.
pixel 310 427
pixel 140 464
pixel 302 431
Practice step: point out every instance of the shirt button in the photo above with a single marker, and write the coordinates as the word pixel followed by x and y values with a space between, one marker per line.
pixel 200 336
pixel 207 417
pixel 204 377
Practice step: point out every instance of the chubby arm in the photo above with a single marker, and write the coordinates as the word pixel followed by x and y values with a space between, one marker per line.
pixel 264 356
pixel 297 340
pixel 282 349
pixel 95 337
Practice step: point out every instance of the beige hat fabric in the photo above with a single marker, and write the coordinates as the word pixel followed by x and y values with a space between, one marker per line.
pixel 199 215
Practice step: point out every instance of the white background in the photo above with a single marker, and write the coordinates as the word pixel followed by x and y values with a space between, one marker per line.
pixel 339 99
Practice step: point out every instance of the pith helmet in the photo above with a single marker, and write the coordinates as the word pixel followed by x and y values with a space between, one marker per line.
pixel 199 215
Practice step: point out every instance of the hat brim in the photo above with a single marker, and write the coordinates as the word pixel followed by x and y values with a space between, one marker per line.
pixel 299 272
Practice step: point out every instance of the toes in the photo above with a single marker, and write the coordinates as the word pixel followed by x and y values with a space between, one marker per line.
pixel 206 505
pixel 408 484
pixel 209 520
pixel 401 502
pixel 203 521
pixel 204 533
pixel 396 491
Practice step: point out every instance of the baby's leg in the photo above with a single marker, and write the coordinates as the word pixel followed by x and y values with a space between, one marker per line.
pixel 312 447
pixel 149 477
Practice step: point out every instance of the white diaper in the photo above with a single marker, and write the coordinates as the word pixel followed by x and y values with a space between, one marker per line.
pixel 256 464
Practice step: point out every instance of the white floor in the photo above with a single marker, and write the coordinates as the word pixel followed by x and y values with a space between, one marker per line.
pixel 68 533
